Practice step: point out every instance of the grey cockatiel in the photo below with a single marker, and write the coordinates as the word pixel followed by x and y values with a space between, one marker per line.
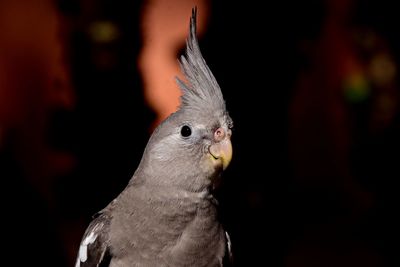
pixel 167 215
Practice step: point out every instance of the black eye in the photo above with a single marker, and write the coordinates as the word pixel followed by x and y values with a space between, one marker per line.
pixel 186 131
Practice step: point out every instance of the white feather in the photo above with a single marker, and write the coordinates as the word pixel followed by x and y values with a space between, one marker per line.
pixel 83 247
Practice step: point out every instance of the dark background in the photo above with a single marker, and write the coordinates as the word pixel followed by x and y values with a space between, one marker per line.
pixel 312 180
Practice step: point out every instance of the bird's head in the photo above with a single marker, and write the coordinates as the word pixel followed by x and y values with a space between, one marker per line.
pixel 192 147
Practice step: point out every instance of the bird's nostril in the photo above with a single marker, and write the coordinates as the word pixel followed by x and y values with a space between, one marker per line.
pixel 219 134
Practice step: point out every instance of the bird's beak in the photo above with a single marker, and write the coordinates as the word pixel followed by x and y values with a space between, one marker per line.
pixel 221 151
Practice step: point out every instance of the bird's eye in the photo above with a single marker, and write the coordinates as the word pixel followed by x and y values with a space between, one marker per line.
pixel 186 131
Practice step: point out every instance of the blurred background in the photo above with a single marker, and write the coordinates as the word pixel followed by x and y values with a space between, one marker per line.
pixel 312 87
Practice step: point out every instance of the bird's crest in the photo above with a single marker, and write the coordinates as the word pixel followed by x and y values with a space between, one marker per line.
pixel 202 90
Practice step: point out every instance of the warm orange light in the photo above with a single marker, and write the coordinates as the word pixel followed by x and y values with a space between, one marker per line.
pixel 164 31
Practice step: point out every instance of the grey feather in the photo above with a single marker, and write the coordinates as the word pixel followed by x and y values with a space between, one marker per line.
pixel 167 214
pixel 203 89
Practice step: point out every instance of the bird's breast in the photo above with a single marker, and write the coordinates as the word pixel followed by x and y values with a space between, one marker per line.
pixel 174 231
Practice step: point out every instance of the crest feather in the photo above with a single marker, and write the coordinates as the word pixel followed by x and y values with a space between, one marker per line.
pixel 202 90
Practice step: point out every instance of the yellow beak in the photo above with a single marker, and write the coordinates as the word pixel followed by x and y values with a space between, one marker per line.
pixel 221 153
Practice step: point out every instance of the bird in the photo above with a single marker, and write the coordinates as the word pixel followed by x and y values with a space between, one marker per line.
pixel 167 215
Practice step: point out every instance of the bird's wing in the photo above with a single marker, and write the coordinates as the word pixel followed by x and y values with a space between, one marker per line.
pixel 94 244
pixel 228 258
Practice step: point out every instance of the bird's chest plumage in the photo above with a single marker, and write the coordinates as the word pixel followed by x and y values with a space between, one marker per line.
pixel 174 231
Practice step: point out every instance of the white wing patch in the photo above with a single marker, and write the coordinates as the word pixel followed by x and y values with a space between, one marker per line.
pixel 228 241
pixel 83 247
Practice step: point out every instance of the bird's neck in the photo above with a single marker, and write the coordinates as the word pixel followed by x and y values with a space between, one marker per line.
pixel 164 192
pixel 191 184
